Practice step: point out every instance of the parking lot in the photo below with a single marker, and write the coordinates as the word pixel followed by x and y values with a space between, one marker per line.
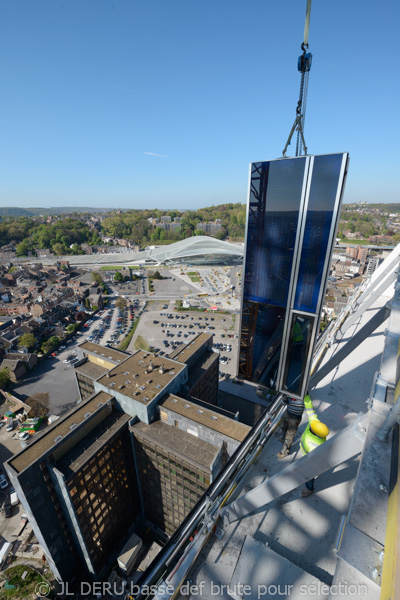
pixel 164 330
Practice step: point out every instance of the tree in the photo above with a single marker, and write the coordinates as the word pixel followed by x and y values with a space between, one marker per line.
pixel 5 378
pixel 27 340
pixel 72 327
pixel 118 277
pixel 97 278
pixel 51 343
pixel 120 303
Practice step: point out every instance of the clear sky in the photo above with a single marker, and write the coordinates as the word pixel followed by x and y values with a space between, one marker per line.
pixel 144 104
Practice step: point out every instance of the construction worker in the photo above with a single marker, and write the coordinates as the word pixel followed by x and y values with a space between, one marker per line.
pixel 290 424
pixel 297 340
pixel 314 435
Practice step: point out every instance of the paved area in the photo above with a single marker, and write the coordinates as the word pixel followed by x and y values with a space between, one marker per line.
pixel 301 531
pixel 183 326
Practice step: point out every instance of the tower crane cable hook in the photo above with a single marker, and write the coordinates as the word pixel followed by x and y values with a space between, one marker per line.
pixel 304 66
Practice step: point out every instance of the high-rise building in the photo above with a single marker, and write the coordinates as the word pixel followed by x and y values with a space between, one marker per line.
pixel 79 481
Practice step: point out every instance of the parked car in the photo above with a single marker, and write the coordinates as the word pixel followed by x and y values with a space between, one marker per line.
pixel 3 481
pixel 10 426
pixel 24 436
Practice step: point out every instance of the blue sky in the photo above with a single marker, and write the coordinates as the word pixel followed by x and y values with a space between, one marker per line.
pixel 144 104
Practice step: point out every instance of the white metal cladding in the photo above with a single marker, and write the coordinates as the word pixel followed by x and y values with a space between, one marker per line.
pixel 195 247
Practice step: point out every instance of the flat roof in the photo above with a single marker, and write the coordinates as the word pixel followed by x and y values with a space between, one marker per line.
pixel 213 420
pixel 184 445
pixel 62 427
pixel 91 370
pixel 91 444
pixel 105 353
pixel 139 376
pixel 183 353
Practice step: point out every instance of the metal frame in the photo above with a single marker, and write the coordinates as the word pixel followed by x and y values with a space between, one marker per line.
pixel 309 354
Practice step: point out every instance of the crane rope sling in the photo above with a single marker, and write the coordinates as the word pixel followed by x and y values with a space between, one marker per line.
pixel 304 66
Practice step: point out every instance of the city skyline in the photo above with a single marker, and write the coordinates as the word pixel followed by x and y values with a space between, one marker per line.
pixel 131 105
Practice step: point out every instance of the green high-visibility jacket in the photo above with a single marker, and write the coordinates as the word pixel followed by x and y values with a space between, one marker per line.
pixel 297 333
pixel 309 441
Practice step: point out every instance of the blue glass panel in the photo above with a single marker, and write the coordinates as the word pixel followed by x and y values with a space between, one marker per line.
pixel 274 202
pixel 297 353
pixel 321 204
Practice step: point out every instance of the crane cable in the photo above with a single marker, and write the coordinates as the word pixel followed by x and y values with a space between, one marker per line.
pixel 304 66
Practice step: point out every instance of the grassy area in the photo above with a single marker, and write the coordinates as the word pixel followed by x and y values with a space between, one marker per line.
pixel 192 274
pixel 141 344
pixel 194 279
pixel 25 588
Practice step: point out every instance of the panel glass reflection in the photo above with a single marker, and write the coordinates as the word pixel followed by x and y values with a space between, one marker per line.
pixel 300 336
pixel 321 206
pixel 275 197
pixel 261 342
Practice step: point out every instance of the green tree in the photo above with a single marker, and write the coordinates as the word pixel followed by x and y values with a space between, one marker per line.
pixel 118 277
pixel 120 303
pixel 72 327
pixel 5 379
pixel 51 343
pixel 97 278
pixel 27 340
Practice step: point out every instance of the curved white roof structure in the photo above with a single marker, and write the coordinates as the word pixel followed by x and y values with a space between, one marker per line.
pixel 199 249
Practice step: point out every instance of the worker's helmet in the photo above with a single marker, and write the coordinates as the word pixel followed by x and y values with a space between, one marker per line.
pixel 320 429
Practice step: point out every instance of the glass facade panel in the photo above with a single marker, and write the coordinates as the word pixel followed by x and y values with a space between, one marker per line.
pixel 320 212
pixel 300 336
pixel 275 198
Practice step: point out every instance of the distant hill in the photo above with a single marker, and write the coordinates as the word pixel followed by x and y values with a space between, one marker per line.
pixel 11 211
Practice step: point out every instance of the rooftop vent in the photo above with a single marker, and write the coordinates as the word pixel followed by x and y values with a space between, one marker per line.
pixel 145 399
pixel 86 415
pixel 200 411
pixel 186 405
pixel 121 386
pixel 126 372
pixel 99 404
pixel 174 400
pixel 58 439
pixel 142 387
pixel 112 384
pixel 73 426
pixel 149 381
pixel 158 386
pixel 161 369
pixel 140 362
pixel 213 417
pixel 136 375
pixel 172 372
pixel 127 382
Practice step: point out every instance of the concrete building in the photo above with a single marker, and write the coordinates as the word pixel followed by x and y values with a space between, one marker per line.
pixel 116 460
